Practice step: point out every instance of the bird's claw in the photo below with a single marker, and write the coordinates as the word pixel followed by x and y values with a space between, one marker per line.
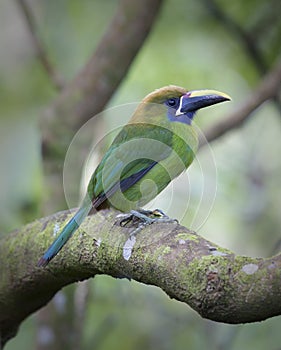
pixel 144 217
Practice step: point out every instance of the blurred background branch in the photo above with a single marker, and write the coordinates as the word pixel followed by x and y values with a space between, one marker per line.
pixel 91 88
pixel 38 45
pixel 247 37
pixel 268 88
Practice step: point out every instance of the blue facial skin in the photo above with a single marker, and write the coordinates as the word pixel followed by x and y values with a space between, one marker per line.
pixel 185 118
pixel 189 105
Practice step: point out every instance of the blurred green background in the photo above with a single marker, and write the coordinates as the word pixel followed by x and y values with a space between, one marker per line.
pixel 189 47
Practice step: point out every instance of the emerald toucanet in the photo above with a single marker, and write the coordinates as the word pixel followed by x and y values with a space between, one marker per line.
pixel 158 143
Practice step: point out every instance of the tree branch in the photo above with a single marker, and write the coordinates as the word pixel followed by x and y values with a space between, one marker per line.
pixel 248 40
pixel 267 89
pixel 55 77
pixel 215 282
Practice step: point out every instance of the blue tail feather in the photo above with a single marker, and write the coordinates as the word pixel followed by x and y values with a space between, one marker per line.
pixel 65 234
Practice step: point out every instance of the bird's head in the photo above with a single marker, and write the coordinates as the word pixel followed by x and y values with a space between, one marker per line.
pixel 182 104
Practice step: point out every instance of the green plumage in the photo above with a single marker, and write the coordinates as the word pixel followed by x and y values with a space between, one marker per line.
pixel 158 143
pixel 135 148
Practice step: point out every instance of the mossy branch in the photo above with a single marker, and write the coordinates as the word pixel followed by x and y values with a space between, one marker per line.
pixel 215 282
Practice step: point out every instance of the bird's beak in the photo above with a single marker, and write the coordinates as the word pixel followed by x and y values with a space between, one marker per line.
pixel 194 100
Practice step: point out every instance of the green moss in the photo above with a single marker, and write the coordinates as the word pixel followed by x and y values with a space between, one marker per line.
pixel 248 270
pixel 158 254
pixel 166 250
pixel 187 236
pixel 199 269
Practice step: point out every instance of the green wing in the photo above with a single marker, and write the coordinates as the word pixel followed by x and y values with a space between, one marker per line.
pixel 135 150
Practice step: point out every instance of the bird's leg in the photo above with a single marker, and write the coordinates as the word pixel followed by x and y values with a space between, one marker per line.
pixel 151 216
pixel 145 217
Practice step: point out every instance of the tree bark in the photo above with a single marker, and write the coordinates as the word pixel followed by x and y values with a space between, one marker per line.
pixel 215 282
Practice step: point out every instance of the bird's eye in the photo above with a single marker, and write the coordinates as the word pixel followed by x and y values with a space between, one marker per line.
pixel 172 102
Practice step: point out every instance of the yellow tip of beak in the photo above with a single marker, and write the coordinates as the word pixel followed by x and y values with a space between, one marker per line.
pixel 200 93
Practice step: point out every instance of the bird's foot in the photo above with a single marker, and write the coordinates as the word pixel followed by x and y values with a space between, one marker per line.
pixel 143 218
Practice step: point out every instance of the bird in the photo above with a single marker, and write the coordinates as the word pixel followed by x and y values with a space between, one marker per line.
pixel 157 144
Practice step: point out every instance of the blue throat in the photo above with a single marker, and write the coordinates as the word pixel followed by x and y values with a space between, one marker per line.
pixel 184 118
